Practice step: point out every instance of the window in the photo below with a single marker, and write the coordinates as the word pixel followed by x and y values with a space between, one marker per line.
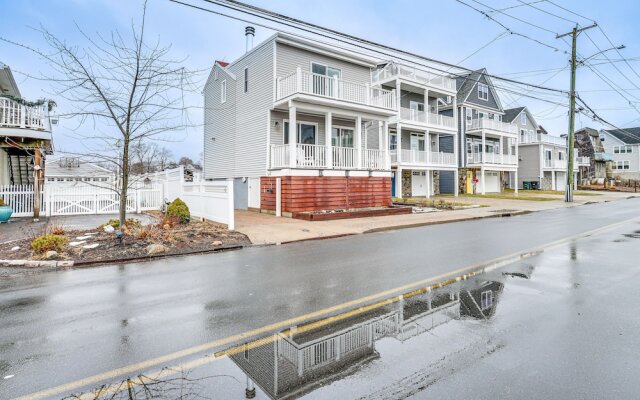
pixel 483 91
pixel 342 137
pixel 469 116
pixel 622 149
pixel 486 299
pixel 523 119
pixel 621 165
pixel 416 105
pixel 321 69
pixel 481 115
pixel 324 79
pixel 561 156
pixel 306 133
pixel 223 91
pixel 246 79
pixel 393 141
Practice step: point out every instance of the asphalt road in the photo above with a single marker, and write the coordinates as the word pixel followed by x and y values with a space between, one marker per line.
pixel 60 327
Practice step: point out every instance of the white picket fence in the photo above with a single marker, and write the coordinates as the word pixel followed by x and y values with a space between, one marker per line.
pixel 62 200
pixel 212 200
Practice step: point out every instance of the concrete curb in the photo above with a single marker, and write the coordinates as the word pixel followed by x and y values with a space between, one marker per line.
pixel 37 263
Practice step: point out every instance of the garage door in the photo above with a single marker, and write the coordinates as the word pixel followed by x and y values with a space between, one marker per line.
pixel 492 182
pixel 419 183
pixel 561 180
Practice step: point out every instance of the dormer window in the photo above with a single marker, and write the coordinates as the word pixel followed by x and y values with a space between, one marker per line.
pixel 483 92
pixel 523 119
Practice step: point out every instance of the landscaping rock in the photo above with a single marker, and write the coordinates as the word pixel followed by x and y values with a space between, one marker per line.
pixel 216 243
pixel 78 243
pixel 84 237
pixel 91 246
pixel 50 255
pixel 155 249
pixel 15 248
pixel 108 228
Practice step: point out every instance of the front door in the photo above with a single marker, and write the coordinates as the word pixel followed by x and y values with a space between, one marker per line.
pixel 469 182
pixel 417 146
pixel 418 183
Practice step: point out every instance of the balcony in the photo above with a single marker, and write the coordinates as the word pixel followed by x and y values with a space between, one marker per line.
pixel 492 125
pixel 492 158
pixel 321 88
pixel 423 158
pixel 583 161
pixel 313 156
pixel 398 71
pixel 538 138
pixel 24 121
pixel 562 164
pixel 411 116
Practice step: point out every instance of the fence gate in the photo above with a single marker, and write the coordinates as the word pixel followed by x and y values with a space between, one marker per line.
pixel 94 200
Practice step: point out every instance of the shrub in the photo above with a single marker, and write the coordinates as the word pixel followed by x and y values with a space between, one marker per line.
pixel 45 243
pixel 130 223
pixel 2 203
pixel 178 209
pixel 55 229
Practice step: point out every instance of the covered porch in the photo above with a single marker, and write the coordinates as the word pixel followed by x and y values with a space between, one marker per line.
pixel 314 137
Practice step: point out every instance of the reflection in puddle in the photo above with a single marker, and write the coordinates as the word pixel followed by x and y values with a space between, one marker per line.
pixel 298 360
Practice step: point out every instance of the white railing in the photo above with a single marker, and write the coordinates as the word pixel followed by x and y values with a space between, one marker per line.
pixel 413 156
pixel 310 156
pixel 424 117
pixel 393 70
pixel 583 161
pixel 332 87
pixel 443 158
pixel 15 115
pixel 373 159
pixel 345 157
pixel 532 138
pixel 393 155
pixel 279 156
pixel 493 124
pixel 491 158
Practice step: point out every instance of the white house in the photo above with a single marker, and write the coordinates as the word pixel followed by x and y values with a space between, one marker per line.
pixel 624 146
pixel 72 171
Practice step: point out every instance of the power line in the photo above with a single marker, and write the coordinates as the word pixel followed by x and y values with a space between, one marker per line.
pixel 546 12
pixel 516 18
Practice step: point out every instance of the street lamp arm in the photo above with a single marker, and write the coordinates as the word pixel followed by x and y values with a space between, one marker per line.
pixel 581 62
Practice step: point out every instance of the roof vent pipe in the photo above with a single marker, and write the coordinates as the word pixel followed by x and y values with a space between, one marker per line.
pixel 249 33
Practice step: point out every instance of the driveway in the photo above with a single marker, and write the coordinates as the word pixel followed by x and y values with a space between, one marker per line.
pixel 22 228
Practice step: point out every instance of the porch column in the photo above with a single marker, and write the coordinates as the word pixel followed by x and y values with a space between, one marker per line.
pixel 399 182
pixel 553 180
pixel 427 137
pixel 482 186
pixel 502 150
pixel 482 157
pixel 328 149
pixel 456 180
pixel 293 129
pixel 385 139
pixel 517 146
pixel 429 182
pixel 515 187
pixel 358 142
pixel 399 142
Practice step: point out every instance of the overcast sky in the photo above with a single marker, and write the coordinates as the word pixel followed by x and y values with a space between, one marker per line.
pixel 445 30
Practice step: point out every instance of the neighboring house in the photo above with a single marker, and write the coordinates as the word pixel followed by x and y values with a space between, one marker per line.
pixel 72 171
pixel 25 133
pixel 543 158
pixel 624 147
pixel 300 118
pixel 488 146
pixel 588 143
pixel 422 141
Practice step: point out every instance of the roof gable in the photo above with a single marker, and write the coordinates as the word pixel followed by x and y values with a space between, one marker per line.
pixel 626 136
pixel 470 82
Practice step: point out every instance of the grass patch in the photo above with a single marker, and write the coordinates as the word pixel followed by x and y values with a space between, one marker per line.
pixel 435 203
pixel 557 192
pixel 509 197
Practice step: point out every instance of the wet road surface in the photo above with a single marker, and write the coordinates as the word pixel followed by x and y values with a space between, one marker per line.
pixel 59 327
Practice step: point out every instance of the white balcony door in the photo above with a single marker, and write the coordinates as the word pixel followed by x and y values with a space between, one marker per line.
pixel 324 78
pixel 416 107
pixel 419 183
pixel 342 137
pixel 307 133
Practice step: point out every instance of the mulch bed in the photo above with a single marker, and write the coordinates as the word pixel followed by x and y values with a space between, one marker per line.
pixel 355 213
pixel 194 237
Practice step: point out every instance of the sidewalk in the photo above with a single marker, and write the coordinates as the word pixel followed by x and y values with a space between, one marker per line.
pixel 269 229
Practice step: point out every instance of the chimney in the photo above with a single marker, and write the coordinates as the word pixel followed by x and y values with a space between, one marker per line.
pixel 249 33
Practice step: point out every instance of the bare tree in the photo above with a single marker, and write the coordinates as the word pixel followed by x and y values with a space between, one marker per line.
pixel 128 88
pixel 148 157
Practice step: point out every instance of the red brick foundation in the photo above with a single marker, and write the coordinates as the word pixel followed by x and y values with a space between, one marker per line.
pixel 313 193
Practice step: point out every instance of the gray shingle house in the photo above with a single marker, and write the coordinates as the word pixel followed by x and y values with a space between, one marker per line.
pixel 588 143
pixel 624 147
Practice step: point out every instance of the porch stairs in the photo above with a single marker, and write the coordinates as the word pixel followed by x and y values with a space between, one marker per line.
pixel 21 169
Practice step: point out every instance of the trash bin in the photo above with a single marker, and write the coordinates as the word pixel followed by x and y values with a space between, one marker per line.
pixel 534 185
pixel 526 185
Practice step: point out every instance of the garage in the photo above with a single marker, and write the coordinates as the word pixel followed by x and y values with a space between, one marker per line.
pixel 561 180
pixel 492 181
pixel 418 183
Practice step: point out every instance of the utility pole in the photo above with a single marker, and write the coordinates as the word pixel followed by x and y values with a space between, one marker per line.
pixel 568 194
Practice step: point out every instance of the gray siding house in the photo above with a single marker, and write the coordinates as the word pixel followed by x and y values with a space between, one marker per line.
pixel 487 146
pixel 624 147
pixel 543 157
pixel 299 127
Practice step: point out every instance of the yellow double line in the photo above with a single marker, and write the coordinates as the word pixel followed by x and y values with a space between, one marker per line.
pixel 268 329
